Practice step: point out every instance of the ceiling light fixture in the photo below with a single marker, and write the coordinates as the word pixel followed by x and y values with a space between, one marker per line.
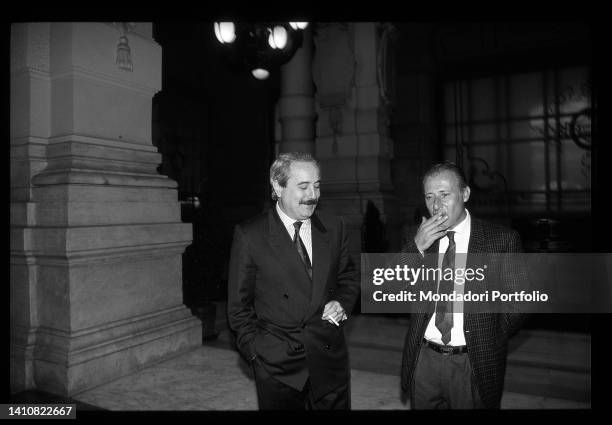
pixel 260 46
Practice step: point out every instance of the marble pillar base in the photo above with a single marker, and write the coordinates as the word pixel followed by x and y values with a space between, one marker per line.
pixel 68 364
pixel 22 360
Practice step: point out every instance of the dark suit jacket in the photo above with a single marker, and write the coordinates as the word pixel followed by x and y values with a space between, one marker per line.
pixel 275 309
pixel 486 334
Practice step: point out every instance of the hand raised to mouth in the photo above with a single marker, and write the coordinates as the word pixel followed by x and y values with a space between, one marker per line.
pixel 431 230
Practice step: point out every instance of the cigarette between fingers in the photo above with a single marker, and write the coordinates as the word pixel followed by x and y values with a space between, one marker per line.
pixel 334 320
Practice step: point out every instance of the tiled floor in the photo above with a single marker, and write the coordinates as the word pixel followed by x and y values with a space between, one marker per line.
pixel 216 378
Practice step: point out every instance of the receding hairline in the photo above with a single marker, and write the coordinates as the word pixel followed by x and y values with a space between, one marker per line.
pixel 312 163
pixel 431 175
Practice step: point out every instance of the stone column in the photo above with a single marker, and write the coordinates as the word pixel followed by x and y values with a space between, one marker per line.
pixel 96 235
pixel 30 126
pixel 353 142
pixel 296 103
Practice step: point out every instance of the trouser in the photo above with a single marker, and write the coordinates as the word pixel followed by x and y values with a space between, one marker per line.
pixel 273 394
pixel 443 382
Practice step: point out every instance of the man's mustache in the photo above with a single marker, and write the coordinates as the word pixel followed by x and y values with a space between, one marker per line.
pixel 309 202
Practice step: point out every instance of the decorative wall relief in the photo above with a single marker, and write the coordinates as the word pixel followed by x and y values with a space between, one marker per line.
pixel 575 100
pixel 580 133
pixel 483 178
pixel 124 54
pixel 333 72
pixel 333 65
pixel 386 78
pixel 574 124
pixel 386 70
pixel 579 128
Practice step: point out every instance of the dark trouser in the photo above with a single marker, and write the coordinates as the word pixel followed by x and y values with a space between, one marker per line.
pixel 273 394
pixel 443 382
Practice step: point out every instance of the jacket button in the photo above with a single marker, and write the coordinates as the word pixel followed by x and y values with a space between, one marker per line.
pixel 285 296
pixel 327 346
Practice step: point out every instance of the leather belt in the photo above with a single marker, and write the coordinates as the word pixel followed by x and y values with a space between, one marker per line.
pixel 446 350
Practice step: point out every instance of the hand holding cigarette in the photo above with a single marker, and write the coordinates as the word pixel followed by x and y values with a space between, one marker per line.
pixel 334 313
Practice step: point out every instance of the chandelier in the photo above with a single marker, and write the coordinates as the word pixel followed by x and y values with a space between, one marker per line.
pixel 260 46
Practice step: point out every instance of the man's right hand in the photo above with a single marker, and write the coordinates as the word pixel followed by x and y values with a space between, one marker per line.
pixel 430 230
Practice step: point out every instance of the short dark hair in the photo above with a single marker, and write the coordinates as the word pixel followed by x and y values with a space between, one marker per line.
pixel 279 170
pixel 449 166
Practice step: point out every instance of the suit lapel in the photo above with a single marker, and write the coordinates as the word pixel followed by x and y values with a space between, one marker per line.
pixel 284 250
pixel 477 242
pixel 320 262
pixel 476 245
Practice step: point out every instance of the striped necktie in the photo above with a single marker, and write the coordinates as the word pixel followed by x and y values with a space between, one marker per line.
pixel 301 249
pixel 444 310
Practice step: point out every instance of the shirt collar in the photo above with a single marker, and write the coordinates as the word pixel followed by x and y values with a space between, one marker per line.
pixel 288 221
pixel 464 225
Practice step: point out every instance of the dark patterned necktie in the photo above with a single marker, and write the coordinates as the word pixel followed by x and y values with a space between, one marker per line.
pixel 301 249
pixel 444 310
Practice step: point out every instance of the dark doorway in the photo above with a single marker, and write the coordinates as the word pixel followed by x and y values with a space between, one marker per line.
pixel 213 124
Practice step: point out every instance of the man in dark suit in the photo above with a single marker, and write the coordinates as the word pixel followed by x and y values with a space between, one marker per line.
pixel 457 360
pixel 291 286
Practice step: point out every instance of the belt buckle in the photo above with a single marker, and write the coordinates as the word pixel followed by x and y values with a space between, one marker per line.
pixel 447 351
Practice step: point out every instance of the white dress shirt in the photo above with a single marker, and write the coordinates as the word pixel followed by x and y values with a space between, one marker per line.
pixel 462 238
pixel 305 230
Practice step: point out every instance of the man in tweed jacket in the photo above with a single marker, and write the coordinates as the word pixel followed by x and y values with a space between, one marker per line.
pixel 466 369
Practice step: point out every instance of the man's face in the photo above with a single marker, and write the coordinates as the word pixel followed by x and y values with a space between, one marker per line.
pixel 299 198
pixel 443 194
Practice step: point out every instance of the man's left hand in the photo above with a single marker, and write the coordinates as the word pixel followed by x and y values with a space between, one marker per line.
pixel 333 312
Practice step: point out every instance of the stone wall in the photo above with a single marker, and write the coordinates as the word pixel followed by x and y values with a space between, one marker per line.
pixel 96 236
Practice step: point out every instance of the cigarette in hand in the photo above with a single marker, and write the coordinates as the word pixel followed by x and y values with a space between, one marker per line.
pixel 333 320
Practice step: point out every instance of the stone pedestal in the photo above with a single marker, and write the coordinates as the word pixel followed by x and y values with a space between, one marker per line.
pixel 353 141
pixel 96 235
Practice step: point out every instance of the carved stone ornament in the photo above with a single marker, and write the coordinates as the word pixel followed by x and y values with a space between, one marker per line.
pixel 124 54
pixel 386 63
